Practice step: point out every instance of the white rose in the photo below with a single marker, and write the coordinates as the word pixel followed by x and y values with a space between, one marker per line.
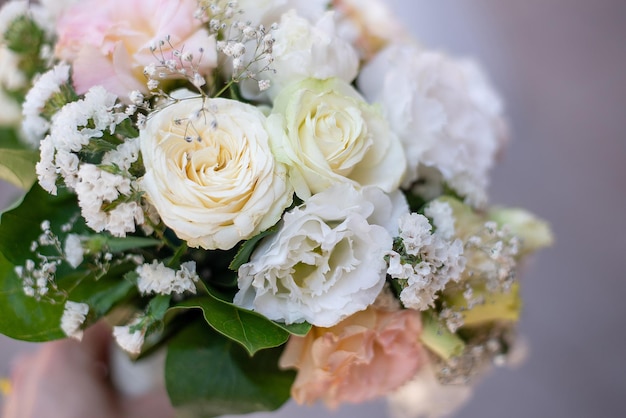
pixel 210 173
pixel 305 50
pixel 331 135
pixel 444 111
pixel 325 263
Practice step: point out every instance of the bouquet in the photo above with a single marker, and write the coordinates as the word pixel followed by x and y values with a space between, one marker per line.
pixel 289 197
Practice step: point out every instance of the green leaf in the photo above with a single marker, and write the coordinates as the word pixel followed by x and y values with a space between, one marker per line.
pixel 17 166
pixel 301 329
pixel 22 224
pixel 126 129
pixel 118 245
pixel 252 330
pixel 246 249
pixel 158 306
pixel 207 375
pixel 23 317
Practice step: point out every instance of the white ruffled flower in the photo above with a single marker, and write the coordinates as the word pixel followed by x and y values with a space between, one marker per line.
pixel 305 50
pixel 130 341
pixel 155 278
pixel 74 315
pixel 327 134
pixel 210 172
pixel 444 111
pixel 325 263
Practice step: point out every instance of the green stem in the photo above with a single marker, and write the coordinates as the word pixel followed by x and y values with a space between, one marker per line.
pixel 439 339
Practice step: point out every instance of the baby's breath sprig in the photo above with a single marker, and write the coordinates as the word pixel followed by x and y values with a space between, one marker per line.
pixel 250 49
pixel 38 276
pixel 179 64
pixel 217 13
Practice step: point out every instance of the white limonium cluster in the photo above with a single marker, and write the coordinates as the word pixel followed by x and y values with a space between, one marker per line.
pixel 74 315
pixel 130 337
pixel 34 125
pixel 324 263
pixel 74 129
pixel 425 261
pixel 70 132
pixel 156 278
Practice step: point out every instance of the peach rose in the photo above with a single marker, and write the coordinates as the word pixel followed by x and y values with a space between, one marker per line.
pixel 365 356
pixel 108 42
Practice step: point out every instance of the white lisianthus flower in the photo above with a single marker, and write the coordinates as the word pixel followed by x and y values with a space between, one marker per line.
pixel 331 135
pixel 210 172
pixel 306 50
pixel 74 315
pixel 444 111
pixel 325 263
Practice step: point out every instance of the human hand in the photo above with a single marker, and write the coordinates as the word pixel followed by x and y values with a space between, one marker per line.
pixel 68 379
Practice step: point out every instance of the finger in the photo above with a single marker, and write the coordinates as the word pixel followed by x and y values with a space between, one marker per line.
pixel 154 404
pixel 97 341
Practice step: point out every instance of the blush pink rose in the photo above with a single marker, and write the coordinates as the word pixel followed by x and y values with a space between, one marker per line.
pixel 108 42
pixel 365 356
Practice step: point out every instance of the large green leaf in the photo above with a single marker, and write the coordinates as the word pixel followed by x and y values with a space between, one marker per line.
pixel 23 317
pixel 207 375
pixel 17 166
pixel 253 331
pixel 22 224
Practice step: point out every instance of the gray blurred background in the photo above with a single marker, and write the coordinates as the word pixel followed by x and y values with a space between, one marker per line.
pixel 561 68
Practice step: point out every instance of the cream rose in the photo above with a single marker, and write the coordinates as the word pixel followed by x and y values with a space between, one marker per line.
pixel 326 261
pixel 331 135
pixel 210 172
pixel 365 356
